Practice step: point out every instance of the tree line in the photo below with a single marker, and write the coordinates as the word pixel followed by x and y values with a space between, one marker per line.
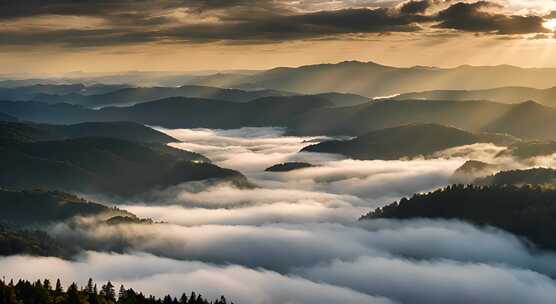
pixel 527 211
pixel 44 292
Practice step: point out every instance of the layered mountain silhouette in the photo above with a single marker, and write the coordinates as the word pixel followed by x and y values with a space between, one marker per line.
pixel 37 91
pixel 113 95
pixel 374 80
pixel 362 78
pixel 503 95
pixel 404 142
pixel 130 96
pixel 306 115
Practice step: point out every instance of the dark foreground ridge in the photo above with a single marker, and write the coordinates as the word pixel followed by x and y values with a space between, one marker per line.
pixel 42 292
pixel 528 212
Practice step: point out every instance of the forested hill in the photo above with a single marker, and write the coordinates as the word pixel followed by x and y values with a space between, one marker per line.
pixel 46 292
pixel 103 166
pixel 25 211
pixel 405 142
pixel 535 176
pixel 30 132
pixel 41 206
pixel 528 212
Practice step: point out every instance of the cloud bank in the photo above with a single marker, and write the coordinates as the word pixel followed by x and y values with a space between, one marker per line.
pixel 109 23
pixel 295 238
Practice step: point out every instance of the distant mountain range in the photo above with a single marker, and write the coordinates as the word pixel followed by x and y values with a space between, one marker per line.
pixel 404 142
pixel 375 80
pixel 307 115
pixel 130 96
pixel 503 95
pixel 30 92
pixel 362 78
pixel 112 95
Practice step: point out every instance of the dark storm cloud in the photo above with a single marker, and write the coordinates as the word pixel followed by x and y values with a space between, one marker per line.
pixel 300 26
pixel 415 6
pixel 30 8
pixel 476 17
pixel 245 21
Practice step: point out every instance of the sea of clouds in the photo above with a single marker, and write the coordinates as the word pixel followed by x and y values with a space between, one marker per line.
pixel 296 238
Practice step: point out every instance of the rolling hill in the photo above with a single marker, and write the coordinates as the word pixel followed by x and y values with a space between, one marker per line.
pixel 26 132
pixel 307 115
pixel 24 211
pixel 35 91
pixel 100 165
pixel 131 96
pixel 402 142
pixel 32 207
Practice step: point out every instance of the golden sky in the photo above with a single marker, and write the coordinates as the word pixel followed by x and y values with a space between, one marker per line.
pixel 183 35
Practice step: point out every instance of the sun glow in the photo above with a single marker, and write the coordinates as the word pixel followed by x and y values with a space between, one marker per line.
pixel 550 24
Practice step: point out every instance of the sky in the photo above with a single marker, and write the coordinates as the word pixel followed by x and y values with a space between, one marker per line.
pixel 62 36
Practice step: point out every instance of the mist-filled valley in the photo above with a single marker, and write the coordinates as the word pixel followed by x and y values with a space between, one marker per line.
pixel 277 152
pixel 290 236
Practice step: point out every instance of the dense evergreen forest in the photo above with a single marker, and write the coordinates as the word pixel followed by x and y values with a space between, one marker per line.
pixel 527 211
pixel 42 292
pixel 30 242
pixel 536 176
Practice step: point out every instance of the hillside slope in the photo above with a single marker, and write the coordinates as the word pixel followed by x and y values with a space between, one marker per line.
pixel 402 142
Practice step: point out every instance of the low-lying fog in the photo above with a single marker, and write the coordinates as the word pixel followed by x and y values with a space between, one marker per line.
pixel 296 238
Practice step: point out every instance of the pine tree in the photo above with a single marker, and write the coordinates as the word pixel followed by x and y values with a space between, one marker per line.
pixel 46 284
pixel 183 298
pixel 122 293
pixel 73 294
pixel 108 291
pixel 90 286
pixel 59 290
